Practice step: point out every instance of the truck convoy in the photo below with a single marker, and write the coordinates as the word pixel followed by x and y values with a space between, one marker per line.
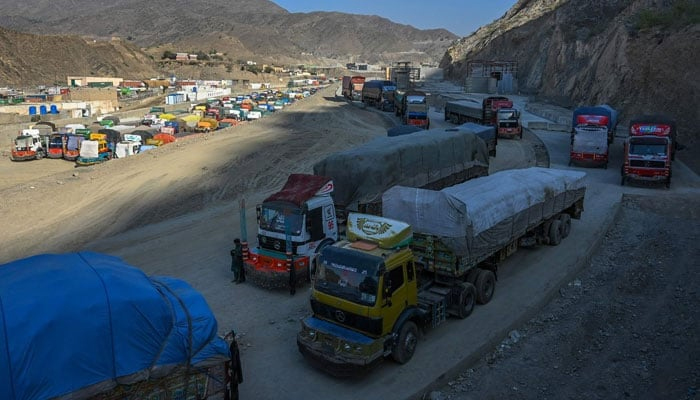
pixel 310 211
pixel 471 110
pixel 412 107
pixel 650 149
pixel 108 332
pixel 373 291
pixel 352 87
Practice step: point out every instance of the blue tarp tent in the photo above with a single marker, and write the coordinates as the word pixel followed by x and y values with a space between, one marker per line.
pixel 85 322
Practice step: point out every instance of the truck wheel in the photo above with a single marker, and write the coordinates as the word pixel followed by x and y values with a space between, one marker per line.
pixel 622 181
pixel 668 183
pixel 405 345
pixel 467 299
pixel 485 286
pixel 565 220
pixel 555 233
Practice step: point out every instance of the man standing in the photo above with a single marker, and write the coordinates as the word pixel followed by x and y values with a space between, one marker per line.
pixel 237 262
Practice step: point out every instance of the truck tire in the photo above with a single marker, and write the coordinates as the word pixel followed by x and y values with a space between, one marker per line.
pixel 622 181
pixel 668 183
pixel 565 220
pixel 467 300
pixel 555 233
pixel 485 286
pixel 405 345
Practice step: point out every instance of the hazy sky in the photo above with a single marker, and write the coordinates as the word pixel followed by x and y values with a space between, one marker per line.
pixel 461 17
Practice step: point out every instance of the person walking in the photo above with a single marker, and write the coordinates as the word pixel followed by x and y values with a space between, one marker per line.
pixel 237 262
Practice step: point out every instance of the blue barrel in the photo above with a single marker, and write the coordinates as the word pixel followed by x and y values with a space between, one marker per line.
pixel 32 110
pixel 54 109
pixel 42 109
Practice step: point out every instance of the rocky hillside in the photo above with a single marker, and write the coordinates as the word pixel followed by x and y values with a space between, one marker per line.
pixel 33 59
pixel 237 27
pixel 638 55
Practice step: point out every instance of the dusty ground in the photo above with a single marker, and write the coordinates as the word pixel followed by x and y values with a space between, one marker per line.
pixel 48 205
pixel 627 327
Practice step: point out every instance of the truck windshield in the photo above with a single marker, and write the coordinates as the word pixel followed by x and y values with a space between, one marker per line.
pixel 647 149
pixel 275 218
pixel 349 275
pixel 504 115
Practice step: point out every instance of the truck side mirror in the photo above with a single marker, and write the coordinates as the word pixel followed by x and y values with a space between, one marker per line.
pixel 258 212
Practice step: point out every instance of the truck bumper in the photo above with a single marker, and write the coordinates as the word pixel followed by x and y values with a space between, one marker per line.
pixel 271 272
pixel 339 351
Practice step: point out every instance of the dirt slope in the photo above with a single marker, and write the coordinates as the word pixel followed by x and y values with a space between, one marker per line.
pixel 71 206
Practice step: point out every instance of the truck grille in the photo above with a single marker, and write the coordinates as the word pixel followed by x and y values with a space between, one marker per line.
pixel 647 163
pixel 274 244
pixel 372 326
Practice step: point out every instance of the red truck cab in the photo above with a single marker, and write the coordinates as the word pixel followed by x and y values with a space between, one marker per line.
pixel 649 150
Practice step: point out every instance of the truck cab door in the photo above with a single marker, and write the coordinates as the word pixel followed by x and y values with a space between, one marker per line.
pixel 394 296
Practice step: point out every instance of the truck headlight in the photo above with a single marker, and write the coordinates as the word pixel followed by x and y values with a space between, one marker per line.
pixel 347 347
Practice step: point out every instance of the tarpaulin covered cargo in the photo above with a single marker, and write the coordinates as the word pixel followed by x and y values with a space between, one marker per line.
pixel 89 149
pixel 75 325
pixel 478 217
pixel 434 158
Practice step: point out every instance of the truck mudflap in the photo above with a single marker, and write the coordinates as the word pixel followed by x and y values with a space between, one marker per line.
pixel 339 351
pixel 271 272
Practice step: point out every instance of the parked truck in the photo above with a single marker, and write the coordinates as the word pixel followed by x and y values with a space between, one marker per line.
pixel 310 211
pixel 601 115
pixel 590 137
pixel 472 110
pixel 28 145
pixel 352 87
pixel 412 106
pixel 378 93
pixel 108 332
pixel 650 149
pixel 508 123
pixel 485 132
pixel 374 291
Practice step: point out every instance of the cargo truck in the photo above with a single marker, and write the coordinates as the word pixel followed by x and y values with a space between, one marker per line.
pixel 310 211
pixel 28 146
pixel 412 106
pixel 108 332
pixel 374 291
pixel 508 123
pixel 472 110
pixel 589 145
pixel 602 115
pixel 650 149
pixel 352 87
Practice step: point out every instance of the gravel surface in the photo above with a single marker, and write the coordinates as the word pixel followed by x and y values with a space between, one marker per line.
pixel 627 327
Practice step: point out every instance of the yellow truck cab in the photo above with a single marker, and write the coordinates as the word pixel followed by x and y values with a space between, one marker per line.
pixel 364 299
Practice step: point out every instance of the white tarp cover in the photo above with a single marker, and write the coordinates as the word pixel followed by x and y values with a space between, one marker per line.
pixel 488 211
pixel 591 140
pixel 125 149
pixel 363 173
pixel 89 149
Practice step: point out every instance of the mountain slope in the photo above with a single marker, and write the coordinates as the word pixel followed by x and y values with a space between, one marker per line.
pixel 33 59
pixel 261 27
pixel 633 54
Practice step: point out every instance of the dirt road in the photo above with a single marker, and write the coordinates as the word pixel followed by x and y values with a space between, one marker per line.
pixel 626 327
